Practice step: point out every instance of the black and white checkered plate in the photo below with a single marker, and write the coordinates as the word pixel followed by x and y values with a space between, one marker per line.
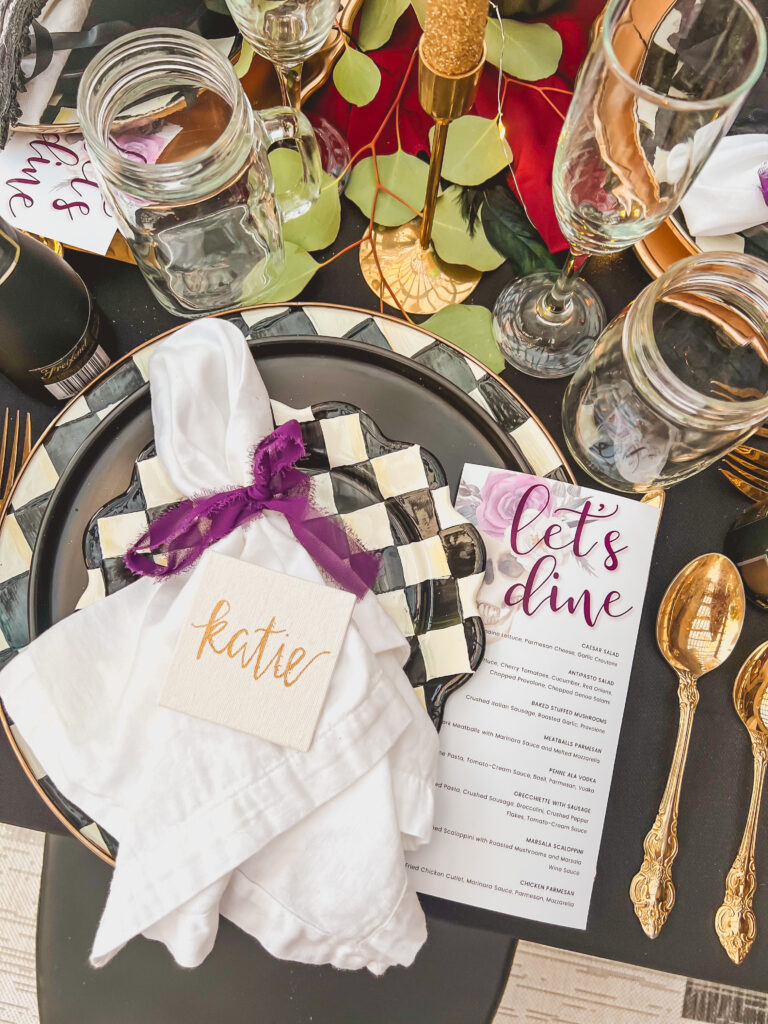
pixel 530 446
pixel 392 497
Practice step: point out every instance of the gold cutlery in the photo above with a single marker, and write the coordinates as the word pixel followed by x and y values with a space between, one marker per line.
pixel 8 471
pixel 698 624
pixel 747 470
pixel 655 497
pixel 735 921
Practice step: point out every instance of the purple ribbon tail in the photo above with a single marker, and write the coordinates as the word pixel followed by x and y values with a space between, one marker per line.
pixel 762 177
pixel 181 535
pixel 353 568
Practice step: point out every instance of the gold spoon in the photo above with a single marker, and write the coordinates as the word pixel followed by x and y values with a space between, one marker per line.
pixel 735 921
pixel 698 624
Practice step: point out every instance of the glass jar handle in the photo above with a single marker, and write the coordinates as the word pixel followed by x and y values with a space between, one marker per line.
pixel 285 125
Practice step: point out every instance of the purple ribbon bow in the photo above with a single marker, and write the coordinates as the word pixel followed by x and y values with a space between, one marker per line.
pixel 184 532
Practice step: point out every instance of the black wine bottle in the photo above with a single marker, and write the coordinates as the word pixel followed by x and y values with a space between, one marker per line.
pixel 48 323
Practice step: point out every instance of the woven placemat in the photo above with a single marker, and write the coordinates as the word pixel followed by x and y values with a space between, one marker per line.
pixel 21 862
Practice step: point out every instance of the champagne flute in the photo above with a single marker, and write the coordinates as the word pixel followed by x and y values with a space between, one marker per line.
pixel 658 89
pixel 285 32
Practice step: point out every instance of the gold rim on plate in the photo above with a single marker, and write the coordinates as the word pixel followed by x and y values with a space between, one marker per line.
pixel 25 765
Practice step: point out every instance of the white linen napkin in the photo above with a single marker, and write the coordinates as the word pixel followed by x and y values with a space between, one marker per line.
pixel 726 196
pixel 302 850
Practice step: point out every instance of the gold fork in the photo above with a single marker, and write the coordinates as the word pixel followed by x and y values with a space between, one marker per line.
pixel 8 471
pixel 748 471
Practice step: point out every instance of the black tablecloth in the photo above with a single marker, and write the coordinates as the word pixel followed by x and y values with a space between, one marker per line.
pixel 718 777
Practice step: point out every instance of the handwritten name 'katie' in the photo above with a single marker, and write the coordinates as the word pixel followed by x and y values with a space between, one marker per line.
pixel 267 651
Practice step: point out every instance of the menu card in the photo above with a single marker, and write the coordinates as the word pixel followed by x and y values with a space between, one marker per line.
pixel 48 185
pixel 527 745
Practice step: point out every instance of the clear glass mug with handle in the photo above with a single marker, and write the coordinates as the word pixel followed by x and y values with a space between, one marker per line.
pixel 184 168
pixel 660 86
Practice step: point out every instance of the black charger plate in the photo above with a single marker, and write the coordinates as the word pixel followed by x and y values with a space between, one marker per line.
pixel 415 387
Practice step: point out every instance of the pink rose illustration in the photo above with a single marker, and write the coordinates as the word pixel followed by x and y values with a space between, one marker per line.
pixel 499 497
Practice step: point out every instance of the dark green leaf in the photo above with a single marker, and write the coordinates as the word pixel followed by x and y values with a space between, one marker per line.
pixel 471 199
pixel 511 233
pixel 526 8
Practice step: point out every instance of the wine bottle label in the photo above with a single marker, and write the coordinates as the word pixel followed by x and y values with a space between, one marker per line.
pixel 9 255
pixel 72 385
pixel 67 377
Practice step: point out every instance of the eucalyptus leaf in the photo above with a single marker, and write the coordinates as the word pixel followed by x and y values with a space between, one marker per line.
pixel 319 226
pixel 451 238
pixel 378 21
pixel 471 328
pixel 531 50
pixel 474 150
pixel 403 174
pixel 509 230
pixel 420 10
pixel 297 270
pixel 287 169
pixel 356 77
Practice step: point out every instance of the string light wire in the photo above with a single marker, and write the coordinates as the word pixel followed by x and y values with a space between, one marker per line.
pixel 499 113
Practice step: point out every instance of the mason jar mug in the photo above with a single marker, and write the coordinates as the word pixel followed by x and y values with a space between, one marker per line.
pixel 678 379
pixel 184 168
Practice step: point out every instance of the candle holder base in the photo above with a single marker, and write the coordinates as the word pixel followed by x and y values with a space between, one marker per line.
pixel 419 279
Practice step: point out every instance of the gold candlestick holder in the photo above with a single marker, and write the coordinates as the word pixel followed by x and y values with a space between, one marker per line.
pixel 414 274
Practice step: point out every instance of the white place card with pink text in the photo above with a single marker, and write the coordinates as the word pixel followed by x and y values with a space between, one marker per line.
pixel 528 745
pixel 48 185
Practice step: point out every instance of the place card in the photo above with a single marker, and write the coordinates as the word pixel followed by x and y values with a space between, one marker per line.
pixel 528 744
pixel 48 185
pixel 257 651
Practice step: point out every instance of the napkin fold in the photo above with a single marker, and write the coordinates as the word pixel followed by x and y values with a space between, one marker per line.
pixel 302 850
pixel 726 197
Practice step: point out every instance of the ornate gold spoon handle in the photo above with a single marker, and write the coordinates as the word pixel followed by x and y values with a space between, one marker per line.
pixel 651 890
pixel 735 921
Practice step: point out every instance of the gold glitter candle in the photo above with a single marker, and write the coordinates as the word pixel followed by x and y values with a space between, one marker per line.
pixel 454 32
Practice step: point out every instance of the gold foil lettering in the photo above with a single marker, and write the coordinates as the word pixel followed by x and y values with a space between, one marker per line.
pixel 236 647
